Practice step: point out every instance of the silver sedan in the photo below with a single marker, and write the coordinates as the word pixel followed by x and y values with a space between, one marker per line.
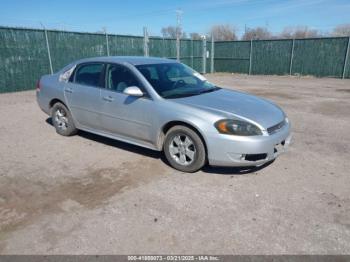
pixel 166 106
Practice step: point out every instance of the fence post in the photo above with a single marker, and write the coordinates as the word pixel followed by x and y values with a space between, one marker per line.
pixel 163 47
pixel 212 55
pixel 291 58
pixel 48 49
pixel 346 58
pixel 191 52
pixel 204 55
pixel 250 56
pixel 145 42
pixel 177 46
pixel 115 51
pixel 107 43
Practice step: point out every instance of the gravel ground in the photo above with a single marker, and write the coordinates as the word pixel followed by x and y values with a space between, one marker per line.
pixel 91 195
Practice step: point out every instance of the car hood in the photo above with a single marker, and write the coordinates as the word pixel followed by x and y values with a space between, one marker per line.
pixel 237 104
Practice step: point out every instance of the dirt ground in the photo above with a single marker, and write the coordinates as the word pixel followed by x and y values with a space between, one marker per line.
pixel 91 195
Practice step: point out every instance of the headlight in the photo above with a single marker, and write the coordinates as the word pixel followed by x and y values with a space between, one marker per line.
pixel 237 127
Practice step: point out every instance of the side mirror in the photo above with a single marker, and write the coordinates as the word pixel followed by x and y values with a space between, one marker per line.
pixel 133 91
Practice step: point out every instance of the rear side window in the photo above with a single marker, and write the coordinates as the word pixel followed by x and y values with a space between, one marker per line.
pixel 90 75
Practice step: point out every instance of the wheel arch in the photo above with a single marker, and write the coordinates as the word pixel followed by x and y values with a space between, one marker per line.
pixel 165 128
pixel 54 101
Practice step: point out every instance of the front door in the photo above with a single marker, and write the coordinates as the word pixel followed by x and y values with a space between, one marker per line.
pixel 125 115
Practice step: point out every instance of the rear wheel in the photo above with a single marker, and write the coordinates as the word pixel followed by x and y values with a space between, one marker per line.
pixel 184 149
pixel 62 120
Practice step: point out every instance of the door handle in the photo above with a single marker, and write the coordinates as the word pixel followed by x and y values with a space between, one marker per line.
pixel 68 90
pixel 108 98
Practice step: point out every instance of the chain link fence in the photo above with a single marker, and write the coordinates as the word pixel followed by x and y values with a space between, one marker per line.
pixel 26 54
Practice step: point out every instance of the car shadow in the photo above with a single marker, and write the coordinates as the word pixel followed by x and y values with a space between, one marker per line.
pixel 159 155
pixel 119 144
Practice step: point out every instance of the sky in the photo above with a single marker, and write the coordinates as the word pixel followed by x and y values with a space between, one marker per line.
pixel 130 16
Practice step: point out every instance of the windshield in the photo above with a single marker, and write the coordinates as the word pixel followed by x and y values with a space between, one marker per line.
pixel 174 80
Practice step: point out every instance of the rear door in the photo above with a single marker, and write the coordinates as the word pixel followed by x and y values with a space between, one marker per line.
pixel 82 93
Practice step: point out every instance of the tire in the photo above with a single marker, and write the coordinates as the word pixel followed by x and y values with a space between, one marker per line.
pixel 184 149
pixel 62 120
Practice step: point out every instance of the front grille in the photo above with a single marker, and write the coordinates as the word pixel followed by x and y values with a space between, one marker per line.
pixel 273 129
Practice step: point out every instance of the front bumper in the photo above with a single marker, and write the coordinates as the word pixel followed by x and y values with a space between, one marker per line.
pixel 228 150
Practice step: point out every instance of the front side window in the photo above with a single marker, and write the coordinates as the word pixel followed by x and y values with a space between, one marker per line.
pixel 89 74
pixel 119 77
pixel 175 80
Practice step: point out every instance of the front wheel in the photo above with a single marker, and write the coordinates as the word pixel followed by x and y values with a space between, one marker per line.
pixel 184 149
pixel 62 120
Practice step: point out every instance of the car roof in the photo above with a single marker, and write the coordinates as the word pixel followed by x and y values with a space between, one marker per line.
pixel 134 60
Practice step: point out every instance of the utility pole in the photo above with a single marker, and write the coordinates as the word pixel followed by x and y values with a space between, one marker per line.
pixel 178 32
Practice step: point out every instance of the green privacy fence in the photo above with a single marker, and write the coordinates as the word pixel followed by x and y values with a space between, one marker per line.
pixel 322 57
pixel 66 47
pixel 23 58
pixel 232 56
pixel 26 54
pixel 191 52
pixel 271 57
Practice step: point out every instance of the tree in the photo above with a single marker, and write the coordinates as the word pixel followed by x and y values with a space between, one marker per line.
pixel 171 31
pixel 341 30
pixel 195 36
pixel 299 32
pixel 223 32
pixel 257 33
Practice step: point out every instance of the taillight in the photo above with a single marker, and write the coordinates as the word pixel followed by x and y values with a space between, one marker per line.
pixel 38 85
